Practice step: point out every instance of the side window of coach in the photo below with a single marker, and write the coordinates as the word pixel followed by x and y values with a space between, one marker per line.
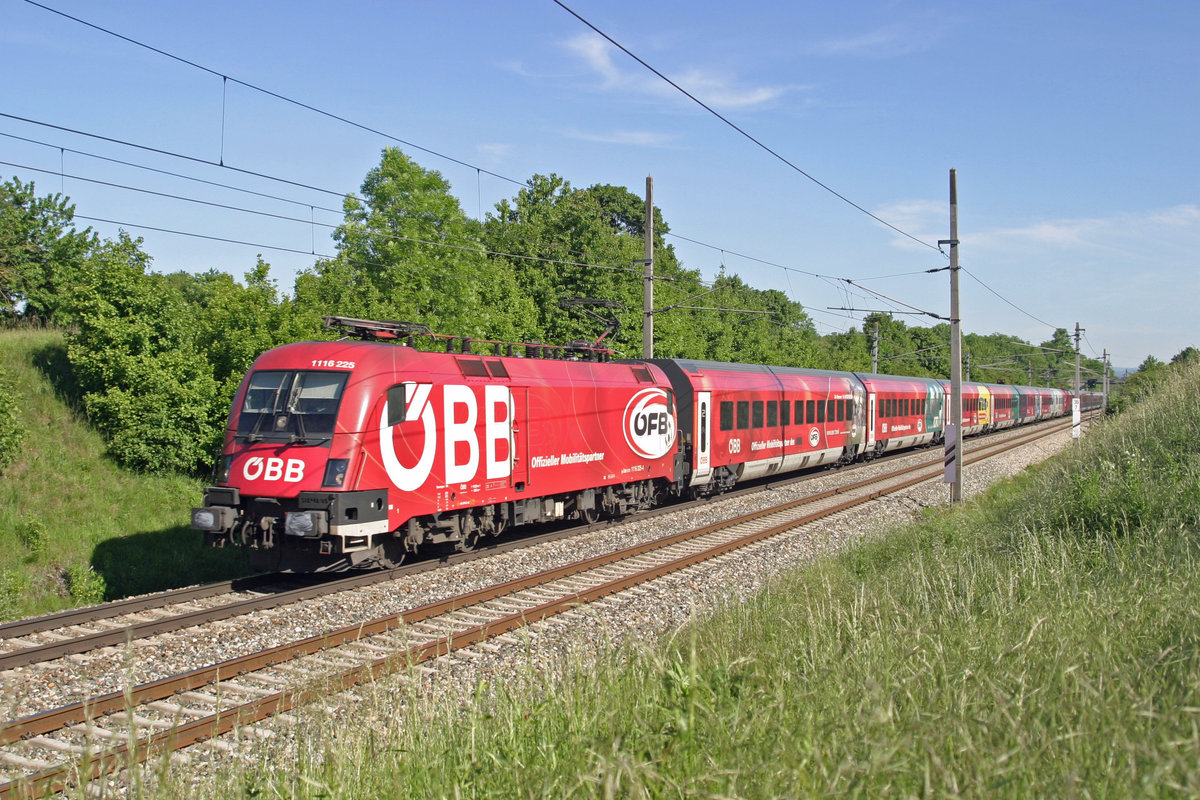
pixel 726 415
pixel 743 414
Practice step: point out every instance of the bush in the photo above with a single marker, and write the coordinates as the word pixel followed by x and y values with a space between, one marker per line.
pixel 85 585
pixel 33 536
pixel 11 429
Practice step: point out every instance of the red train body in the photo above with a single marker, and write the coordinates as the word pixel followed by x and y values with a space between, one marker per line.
pixel 355 453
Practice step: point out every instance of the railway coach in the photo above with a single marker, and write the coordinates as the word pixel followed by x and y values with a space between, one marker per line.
pixel 744 421
pixel 902 412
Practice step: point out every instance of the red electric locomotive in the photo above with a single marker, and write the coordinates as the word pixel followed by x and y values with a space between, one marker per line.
pixel 352 453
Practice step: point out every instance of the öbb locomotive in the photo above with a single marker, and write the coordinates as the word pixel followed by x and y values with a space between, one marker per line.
pixel 354 453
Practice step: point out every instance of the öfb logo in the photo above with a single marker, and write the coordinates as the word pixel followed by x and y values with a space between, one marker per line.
pixel 649 424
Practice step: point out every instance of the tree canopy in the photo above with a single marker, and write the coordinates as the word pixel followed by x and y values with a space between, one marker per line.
pixel 157 358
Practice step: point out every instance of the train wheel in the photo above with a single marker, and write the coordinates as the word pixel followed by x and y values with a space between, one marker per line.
pixel 468 542
pixel 589 515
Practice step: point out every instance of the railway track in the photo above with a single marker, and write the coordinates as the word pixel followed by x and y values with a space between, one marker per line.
pixel 79 631
pixel 51 750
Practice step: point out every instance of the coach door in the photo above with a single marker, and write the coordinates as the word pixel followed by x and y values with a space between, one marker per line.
pixel 870 420
pixel 703 439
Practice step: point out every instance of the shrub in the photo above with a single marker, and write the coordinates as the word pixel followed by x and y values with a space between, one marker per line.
pixel 33 536
pixel 11 429
pixel 86 586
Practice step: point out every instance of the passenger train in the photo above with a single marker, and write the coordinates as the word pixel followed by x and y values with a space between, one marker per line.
pixel 355 453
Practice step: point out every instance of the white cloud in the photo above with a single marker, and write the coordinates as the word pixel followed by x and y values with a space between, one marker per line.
pixel 495 153
pixel 889 41
pixel 1145 234
pixel 637 138
pixel 713 88
pixel 926 220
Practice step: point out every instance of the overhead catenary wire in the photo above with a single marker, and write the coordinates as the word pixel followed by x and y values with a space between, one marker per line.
pixel 735 127
pixel 270 93
pixel 479 170
pixel 172 174
pixel 1006 300
pixel 286 181
pixel 238 189
pixel 447 245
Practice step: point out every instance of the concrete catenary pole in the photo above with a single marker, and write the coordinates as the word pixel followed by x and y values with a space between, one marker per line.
pixel 875 351
pixel 648 289
pixel 954 414
pixel 1106 379
pixel 1076 418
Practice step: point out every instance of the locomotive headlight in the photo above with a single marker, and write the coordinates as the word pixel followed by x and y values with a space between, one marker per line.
pixel 213 518
pixel 335 472
pixel 204 519
pixel 224 468
pixel 309 524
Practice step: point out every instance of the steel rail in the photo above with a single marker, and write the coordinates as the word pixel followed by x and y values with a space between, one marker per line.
pixel 141 630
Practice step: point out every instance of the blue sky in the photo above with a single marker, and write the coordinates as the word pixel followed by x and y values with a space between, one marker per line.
pixel 1072 127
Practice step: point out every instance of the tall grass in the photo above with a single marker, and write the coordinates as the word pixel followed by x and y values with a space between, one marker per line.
pixel 74 527
pixel 1043 642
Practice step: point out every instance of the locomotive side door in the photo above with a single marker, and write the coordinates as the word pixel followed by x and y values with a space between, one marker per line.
pixel 520 438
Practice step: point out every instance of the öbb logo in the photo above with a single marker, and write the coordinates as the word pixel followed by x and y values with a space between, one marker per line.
pixel 274 469
pixel 461 446
pixel 649 423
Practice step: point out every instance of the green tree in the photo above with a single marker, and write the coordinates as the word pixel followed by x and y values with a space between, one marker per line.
pixel 40 253
pixel 1151 363
pixel 407 251
pixel 235 323
pixel 1188 355
pixel 145 386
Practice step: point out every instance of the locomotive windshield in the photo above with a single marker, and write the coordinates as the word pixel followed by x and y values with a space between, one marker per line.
pixel 298 407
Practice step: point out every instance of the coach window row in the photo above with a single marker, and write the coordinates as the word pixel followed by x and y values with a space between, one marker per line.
pixel 902 407
pixel 750 414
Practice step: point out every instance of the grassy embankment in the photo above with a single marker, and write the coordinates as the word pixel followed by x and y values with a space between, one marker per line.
pixel 1042 642
pixel 75 528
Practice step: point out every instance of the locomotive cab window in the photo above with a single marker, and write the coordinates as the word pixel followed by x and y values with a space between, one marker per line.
pixel 293 406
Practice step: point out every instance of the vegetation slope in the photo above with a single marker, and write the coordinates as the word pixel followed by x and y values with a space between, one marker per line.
pixel 76 528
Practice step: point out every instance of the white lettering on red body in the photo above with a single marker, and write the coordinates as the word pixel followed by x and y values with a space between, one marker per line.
pixel 273 469
pixel 461 449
